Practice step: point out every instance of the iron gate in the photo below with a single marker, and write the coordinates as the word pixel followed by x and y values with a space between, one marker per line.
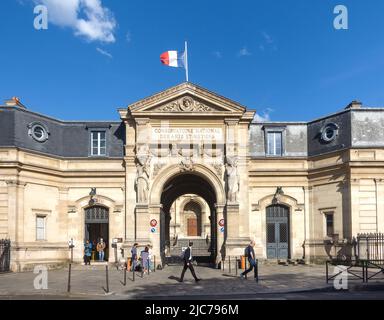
pixel 5 255
pixel 277 232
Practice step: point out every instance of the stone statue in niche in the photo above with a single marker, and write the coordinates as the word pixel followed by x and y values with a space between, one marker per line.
pixel 233 179
pixel 142 173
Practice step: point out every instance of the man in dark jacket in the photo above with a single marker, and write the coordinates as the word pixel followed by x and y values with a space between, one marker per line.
pixel 250 253
pixel 188 263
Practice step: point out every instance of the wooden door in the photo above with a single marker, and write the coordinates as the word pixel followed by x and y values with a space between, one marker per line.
pixel 192 227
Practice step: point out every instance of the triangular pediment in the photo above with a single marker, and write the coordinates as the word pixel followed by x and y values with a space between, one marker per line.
pixel 187 98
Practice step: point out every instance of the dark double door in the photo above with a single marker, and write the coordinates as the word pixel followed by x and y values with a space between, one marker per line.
pixel 97 227
pixel 277 232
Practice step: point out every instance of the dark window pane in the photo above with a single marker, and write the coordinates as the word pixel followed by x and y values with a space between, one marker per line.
pixel 329 224
pixel 271 233
pixel 283 232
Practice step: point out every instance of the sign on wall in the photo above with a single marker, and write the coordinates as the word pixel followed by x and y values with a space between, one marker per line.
pixel 221 223
pixel 153 223
pixel 187 134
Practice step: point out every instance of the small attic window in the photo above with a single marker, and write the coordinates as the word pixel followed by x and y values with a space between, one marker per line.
pixel 38 132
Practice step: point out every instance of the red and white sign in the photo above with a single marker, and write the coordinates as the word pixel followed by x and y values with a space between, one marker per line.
pixel 221 223
pixel 153 223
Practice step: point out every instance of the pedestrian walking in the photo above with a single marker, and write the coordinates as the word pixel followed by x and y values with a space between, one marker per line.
pixel 144 259
pixel 250 254
pixel 187 258
pixel 87 252
pixel 149 258
pixel 100 249
pixel 134 256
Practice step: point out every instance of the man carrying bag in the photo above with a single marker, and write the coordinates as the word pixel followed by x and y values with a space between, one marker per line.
pixel 250 254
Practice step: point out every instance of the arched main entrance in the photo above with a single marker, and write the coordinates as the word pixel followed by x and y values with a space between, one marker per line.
pixel 205 249
pixel 97 227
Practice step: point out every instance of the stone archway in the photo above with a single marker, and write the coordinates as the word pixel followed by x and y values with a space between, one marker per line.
pixel 171 183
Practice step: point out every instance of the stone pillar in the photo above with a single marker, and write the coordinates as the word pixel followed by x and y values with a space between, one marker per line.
pixel 354 206
pixel 15 220
pixel 130 175
pixel 154 237
pixel 380 204
pixel 220 235
pixel 142 218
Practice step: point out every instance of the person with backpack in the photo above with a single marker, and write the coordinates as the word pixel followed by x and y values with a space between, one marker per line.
pixel 250 254
pixel 187 258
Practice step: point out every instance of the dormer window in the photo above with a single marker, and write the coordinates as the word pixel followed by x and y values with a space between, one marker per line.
pixel 98 143
pixel 274 141
pixel 38 131
pixel 274 144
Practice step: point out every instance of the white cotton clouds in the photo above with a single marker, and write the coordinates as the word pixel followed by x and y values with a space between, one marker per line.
pixel 88 18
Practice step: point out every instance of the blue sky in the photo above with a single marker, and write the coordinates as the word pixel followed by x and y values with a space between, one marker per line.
pixel 283 57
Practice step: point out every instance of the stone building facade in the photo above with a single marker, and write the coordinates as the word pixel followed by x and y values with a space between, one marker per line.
pixel 186 164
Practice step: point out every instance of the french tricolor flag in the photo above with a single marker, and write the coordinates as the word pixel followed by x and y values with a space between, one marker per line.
pixel 176 59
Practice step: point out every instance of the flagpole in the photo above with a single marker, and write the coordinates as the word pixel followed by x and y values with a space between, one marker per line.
pixel 186 61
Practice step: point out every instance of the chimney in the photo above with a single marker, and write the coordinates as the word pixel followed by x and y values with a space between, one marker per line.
pixel 354 105
pixel 14 102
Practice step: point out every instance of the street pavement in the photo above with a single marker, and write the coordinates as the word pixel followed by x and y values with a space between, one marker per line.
pixel 275 282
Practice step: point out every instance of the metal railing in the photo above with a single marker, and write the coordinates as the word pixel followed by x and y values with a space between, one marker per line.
pixel 234 264
pixel 370 246
pixel 368 262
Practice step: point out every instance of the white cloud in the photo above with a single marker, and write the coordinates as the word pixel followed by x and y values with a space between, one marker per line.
pixel 244 52
pixel 267 37
pixel 264 117
pixel 128 37
pixel 88 18
pixel 217 54
pixel 104 53
pixel 268 42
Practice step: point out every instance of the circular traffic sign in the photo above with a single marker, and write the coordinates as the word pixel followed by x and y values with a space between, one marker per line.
pixel 222 229
pixel 153 230
pixel 153 223
pixel 221 223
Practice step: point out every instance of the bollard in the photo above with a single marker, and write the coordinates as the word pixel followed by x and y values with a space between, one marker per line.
pixel 69 278
pixel 246 275
pixel 106 278
pixel 229 264
pixel 236 265
pixel 125 276
pixel 154 263
pixel 148 265
pixel 257 270
pixel 133 271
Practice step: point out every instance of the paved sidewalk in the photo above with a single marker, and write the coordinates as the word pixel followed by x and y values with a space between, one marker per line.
pixel 90 282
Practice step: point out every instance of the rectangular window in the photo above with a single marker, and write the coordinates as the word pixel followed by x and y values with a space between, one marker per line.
pixel 98 143
pixel 329 224
pixel 274 143
pixel 40 228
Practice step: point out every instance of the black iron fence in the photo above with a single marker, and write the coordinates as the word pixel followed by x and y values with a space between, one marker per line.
pixel 5 255
pixel 368 260
pixel 370 246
